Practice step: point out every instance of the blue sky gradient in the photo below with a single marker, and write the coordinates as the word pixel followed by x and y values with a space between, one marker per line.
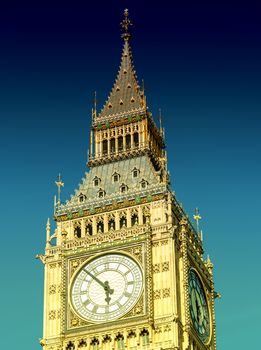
pixel 201 65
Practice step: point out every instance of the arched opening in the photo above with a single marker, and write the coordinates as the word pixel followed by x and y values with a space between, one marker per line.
pixel 136 139
pixel 111 224
pixel 94 344
pixel 104 147
pixel 134 220
pixel 112 143
pixel 88 229
pixel 120 342
pixel 128 142
pixel 120 143
pixel 144 337
pixel 82 344
pixel 70 346
pixel 123 222
pixel 100 227
pixel 77 232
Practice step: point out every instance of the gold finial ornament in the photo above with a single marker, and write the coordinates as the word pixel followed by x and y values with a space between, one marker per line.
pixel 197 217
pixel 59 183
pixel 125 24
pixel 94 109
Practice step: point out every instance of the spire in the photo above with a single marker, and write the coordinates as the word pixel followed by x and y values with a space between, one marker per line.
pixel 126 97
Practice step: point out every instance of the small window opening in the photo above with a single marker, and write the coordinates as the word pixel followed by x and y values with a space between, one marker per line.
pixel 100 227
pixel 120 342
pixel 112 143
pixel 123 188
pixel 104 147
pixel 134 220
pixel 123 222
pixel 145 336
pixel 136 139
pixel 101 194
pixel 88 229
pixel 77 232
pixel 116 178
pixel 70 346
pixel 96 181
pixel 82 344
pixel 128 142
pixel 94 344
pixel 111 224
pixel 120 143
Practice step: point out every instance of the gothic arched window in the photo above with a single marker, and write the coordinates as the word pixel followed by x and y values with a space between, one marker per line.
pixel 120 342
pixel 77 231
pixel 120 143
pixel 136 139
pixel 123 222
pixel 145 336
pixel 112 143
pixel 100 227
pixel 128 141
pixel 111 224
pixel 104 147
pixel 88 229
pixel 134 220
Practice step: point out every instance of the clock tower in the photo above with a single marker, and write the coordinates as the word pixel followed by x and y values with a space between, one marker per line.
pixel 124 267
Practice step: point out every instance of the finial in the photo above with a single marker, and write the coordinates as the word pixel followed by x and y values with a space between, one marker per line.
pixel 160 119
pixel 143 97
pixel 197 217
pixel 125 24
pixel 48 230
pixel 59 184
pixel 209 264
pixel 94 109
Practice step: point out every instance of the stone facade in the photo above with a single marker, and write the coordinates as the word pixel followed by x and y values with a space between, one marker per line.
pixel 125 205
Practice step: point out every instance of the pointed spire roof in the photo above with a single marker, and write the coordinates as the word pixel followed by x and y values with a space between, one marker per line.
pixel 126 96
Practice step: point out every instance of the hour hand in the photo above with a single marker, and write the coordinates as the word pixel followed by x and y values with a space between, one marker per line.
pixel 108 291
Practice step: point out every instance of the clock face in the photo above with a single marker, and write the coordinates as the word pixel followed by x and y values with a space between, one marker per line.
pixel 106 288
pixel 198 307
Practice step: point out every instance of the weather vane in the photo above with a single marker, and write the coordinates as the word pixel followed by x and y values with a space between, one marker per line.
pixel 59 183
pixel 197 217
pixel 125 24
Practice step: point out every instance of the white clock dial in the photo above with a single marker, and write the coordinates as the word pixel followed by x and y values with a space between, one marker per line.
pixel 106 288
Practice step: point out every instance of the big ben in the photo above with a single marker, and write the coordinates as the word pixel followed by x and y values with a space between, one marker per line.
pixel 124 266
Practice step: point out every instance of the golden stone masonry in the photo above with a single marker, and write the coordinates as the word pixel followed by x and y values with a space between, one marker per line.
pixel 124 267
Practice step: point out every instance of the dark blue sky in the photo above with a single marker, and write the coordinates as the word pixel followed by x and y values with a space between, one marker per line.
pixel 201 65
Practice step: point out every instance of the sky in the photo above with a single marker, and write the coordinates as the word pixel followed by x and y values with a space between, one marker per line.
pixel 200 62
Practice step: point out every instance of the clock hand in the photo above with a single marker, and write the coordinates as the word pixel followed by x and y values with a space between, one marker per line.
pixel 105 285
pixel 95 279
pixel 108 291
pixel 198 310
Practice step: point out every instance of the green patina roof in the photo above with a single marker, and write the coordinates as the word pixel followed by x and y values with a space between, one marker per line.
pixel 112 189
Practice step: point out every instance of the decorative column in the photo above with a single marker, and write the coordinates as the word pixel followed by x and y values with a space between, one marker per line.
pixel 183 235
pixel 132 146
pixel 116 144
pixel 109 147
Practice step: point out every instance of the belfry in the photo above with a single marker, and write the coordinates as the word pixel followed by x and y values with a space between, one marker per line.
pixel 124 267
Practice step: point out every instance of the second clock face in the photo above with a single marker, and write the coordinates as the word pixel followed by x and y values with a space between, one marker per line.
pixel 198 306
pixel 106 288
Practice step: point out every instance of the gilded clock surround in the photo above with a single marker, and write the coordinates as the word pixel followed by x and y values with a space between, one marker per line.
pixel 135 251
pixel 125 205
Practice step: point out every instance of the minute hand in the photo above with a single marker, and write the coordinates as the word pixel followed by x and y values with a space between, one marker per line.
pixel 96 279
